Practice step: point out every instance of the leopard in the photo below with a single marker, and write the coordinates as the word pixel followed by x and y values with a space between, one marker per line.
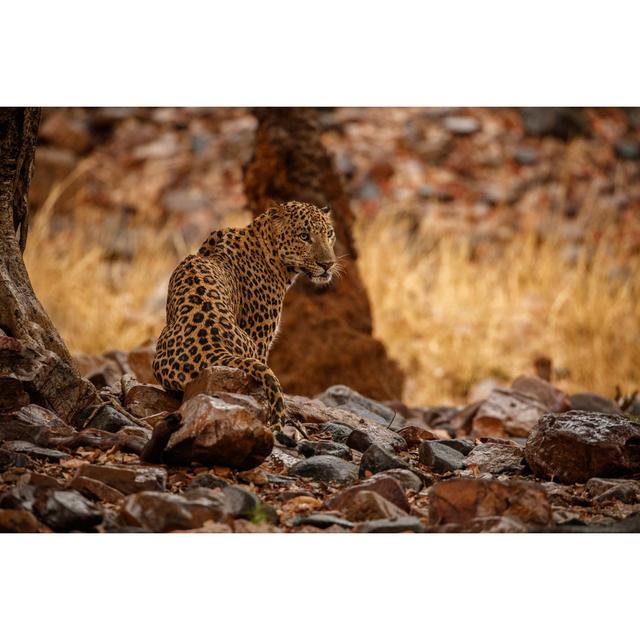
pixel 225 302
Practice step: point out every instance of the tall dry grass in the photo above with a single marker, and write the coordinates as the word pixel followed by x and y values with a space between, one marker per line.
pixel 452 317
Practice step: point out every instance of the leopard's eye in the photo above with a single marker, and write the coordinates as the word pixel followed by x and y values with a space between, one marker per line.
pixel 304 237
pixel 331 233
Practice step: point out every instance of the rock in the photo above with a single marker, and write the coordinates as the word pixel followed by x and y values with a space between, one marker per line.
pixel 551 397
pixel 507 412
pixel 18 521
pixel 66 131
pixel 101 371
pixel 593 402
pixel 309 448
pixel 627 149
pixel 126 478
pixel 12 394
pixel 107 418
pixel 34 424
pixel 439 458
pixel 208 481
pixel 561 122
pixel 578 445
pixel 606 490
pixel 244 504
pixel 461 125
pixel 406 524
pixel 214 380
pixel 376 459
pixel 385 486
pixel 96 489
pixel 465 447
pixel 130 438
pixel 414 435
pixel 140 361
pixel 341 396
pixel 369 505
pixel 61 510
pixel 362 438
pixel 32 450
pixel 214 432
pixel 338 432
pixel 12 459
pixel 322 521
pixel 496 459
pixel 461 421
pixel 159 512
pixel 525 156
pixel 325 469
pixel 39 480
pixel 463 500
pixel 408 480
pixel 143 400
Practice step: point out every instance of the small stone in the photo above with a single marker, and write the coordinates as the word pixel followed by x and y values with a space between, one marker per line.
pixel 18 521
pixel 34 424
pixel 607 490
pixel 386 487
pixel 39 480
pixel 414 435
pixel 439 458
pixel 465 447
pixel 126 478
pixel 208 481
pixel 551 397
pixel 578 445
pixel 561 122
pixel 322 521
pixel 461 125
pixel 325 469
pixel 507 412
pixel 214 380
pixel 140 361
pixel 95 489
pixel 32 450
pixel 462 500
pixel 408 480
pixel 361 439
pixel 525 156
pixel 143 400
pixel 214 432
pixel 496 459
pixel 369 505
pixel 406 524
pixel 245 504
pixel 627 149
pixel 309 448
pixel 594 402
pixel 338 432
pixel 108 418
pixel 376 459
pixel 161 512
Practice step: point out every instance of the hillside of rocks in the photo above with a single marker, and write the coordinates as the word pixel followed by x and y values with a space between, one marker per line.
pixel 525 458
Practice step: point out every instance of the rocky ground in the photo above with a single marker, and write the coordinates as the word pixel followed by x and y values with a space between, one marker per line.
pixel 524 458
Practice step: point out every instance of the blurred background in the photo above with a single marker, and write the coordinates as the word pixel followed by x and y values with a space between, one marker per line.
pixel 492 242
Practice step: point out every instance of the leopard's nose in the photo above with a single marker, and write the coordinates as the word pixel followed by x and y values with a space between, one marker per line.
pixel 326 265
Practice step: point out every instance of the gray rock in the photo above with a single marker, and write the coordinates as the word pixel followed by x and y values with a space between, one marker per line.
pixel 322 521
pixel 108 419
pixel 439 458
pixel 489 457
pixel 34 451
pixel 245 504
pixel 207 481
pixel 310 448
pixel 461 125
pixel 609 489
pixel 578 445
pixel 561 122
pixel 399 525
pixel 627 149
pixel 525 156
pixel 464 446
pixel 593 402
pixel 376 459
pixel 325 469
pixel 339 432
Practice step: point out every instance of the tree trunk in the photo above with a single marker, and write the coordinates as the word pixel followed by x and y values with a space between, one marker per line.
pixel 326 334
pixel 33 352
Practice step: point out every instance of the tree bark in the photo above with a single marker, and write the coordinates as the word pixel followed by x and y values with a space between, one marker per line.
pixel 36 355
pixel 326 334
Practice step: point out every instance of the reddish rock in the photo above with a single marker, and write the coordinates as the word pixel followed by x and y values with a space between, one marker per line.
pixel 33 423
pixel 551 397
pixel 414 435
pixel 95 489
pixel 143 400
pixel 507 412
pixel 369 505
pixel 214 380
pixel 101 371
pixel 496 458
pixel 607 490
pixel 18 521
pixel 214 432
pixel 140 362
pixel 463 500
pixel 578 445
pixel 126 478
pixel 387 487
pixel 371 433
pixel 12 394
pixel 167 512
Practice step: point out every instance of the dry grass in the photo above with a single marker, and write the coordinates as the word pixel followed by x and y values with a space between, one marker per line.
pixel 451 318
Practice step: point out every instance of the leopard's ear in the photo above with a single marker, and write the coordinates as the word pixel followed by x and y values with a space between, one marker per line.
pixel 326 210
pixel 275 209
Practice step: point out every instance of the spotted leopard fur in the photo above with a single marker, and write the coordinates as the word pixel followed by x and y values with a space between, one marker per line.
pixel 224 303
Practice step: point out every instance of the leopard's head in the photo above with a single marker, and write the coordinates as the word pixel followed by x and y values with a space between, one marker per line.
pixel 305 239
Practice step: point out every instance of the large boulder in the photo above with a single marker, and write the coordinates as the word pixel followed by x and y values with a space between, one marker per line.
pixel 578 445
